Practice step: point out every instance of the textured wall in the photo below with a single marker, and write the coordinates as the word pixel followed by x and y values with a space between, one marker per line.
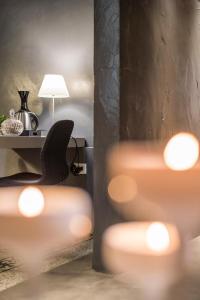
pixel 160 70
pixel 157 92
pixel 48 36
pixel 39 37
pixel 106 111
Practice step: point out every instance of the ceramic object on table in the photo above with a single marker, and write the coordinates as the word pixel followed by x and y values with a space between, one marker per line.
pixel 12 126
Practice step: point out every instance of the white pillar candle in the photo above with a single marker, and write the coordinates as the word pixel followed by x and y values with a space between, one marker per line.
pixel 37 220
pixel 155 180
pixel 144 251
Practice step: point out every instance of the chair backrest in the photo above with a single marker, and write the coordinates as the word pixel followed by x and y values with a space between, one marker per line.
pixel 53 155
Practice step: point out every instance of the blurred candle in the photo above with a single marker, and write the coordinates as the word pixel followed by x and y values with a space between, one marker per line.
pixel 165 178
pixel 144 251
pixel 36 222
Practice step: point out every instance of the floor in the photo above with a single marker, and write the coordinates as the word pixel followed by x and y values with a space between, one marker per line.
pixel 10 274
pixel 76 280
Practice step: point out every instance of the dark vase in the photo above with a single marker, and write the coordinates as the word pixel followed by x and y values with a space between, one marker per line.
pixel 28 118
pixel 24 100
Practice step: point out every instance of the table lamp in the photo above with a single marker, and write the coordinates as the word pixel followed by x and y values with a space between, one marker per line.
pixel 54 87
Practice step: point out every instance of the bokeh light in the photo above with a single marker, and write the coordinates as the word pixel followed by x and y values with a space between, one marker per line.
pixel 122 188
pixel 181 152
pixel 157 237
pixel 31 202
pixel 80 226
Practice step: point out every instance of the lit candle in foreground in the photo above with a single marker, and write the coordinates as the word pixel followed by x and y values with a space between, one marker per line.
pixel 144 251
pixel 160 181
pixel 36 221
pixel 39 221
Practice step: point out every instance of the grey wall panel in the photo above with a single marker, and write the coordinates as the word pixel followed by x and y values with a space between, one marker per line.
pixel 106 113
pixel 39 37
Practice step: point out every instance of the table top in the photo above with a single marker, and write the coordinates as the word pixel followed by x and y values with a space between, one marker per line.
pixel 31 142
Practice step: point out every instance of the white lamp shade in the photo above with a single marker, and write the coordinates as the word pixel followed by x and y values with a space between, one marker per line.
pixel 53 86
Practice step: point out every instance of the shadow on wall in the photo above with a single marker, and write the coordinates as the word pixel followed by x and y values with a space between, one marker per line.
pixel 80 110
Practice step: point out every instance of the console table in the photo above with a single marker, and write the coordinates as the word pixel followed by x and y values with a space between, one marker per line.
pixel 32 142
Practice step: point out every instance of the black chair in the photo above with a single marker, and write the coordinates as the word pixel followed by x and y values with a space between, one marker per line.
pixel 53 159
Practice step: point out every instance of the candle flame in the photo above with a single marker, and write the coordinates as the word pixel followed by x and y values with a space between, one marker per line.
pixel 157 237
pixel 31 202
pixel 181 152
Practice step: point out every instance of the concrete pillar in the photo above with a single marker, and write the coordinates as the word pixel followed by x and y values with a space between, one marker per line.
pixel 147 72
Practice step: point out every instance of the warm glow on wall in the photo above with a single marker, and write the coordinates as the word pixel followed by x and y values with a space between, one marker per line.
pixel 181 152
pixel 81 86
pixel 31 202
